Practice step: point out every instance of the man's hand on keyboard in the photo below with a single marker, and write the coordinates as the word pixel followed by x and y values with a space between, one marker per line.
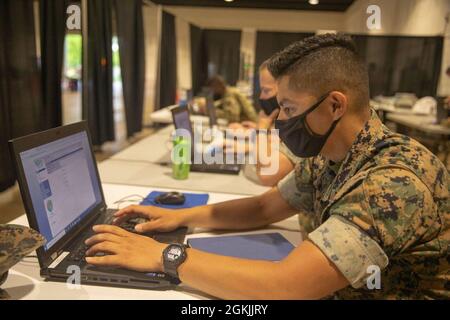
pixel 159 219
pixel 124 249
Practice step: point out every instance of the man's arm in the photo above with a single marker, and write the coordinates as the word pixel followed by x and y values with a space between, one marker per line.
pixel 285 166
pixel 247 107
pixel 247 213
pixel 229 110
pixel 241 214
pixel 305 274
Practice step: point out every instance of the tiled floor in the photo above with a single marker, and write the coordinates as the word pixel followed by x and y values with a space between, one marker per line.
pixel 11 202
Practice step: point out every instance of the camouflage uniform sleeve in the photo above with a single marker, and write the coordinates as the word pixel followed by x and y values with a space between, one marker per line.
pixel 15 243
pixel 236 108
pixel 297 187
pixel 229 109
pixel 247 108
pixel 390 211
pixel 350 249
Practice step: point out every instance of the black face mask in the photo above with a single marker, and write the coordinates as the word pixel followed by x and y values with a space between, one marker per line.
pixel 299 138
pixel 269 105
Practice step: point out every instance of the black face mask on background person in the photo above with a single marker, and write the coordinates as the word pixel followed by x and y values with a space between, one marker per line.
pixel 269 105
pixel 299 138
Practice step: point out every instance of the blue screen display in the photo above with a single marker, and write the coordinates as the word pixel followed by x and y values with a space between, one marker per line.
pixel 63 184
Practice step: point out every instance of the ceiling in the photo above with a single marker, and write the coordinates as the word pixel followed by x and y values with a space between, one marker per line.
pixel 324 5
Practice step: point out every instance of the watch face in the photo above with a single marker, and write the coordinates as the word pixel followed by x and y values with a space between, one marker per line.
pixel 174 253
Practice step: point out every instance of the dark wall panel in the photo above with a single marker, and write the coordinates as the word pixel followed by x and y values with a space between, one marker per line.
pixel 223 49
pixel 269 43
pixel 401 64
pixel 168 71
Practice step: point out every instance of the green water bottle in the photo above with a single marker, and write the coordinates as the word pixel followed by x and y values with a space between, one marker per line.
pixel 181 158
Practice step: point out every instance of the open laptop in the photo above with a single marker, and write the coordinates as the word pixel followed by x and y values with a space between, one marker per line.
pixel 63 198
pixel 182 120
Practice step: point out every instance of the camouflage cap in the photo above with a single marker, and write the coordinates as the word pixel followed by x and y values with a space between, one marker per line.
pixel 15 243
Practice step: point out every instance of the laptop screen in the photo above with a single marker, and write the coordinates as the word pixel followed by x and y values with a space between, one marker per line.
pixel 62 183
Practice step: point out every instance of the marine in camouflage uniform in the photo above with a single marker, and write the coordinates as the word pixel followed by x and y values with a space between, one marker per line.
pixel 386 204
pixel 15 243
pixel 235 107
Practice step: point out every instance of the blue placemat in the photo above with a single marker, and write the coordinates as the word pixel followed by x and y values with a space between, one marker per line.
pixel 192 200
pixel 265 246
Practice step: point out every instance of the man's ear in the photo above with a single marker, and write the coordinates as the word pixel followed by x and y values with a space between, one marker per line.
pixel 339 104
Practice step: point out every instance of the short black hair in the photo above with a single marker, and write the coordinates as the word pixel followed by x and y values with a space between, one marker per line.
pixel 324 63
pixel 217 84
pixel 216 80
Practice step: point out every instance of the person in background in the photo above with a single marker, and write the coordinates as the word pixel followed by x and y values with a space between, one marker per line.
pixel 230 103
pixel 267 115
pixel 287 160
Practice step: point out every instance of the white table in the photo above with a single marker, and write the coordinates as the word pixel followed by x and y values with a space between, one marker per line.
pixel 154 147
pixel 164 116
pixel 150 149
pixel 440 134
pixel 140 165
pixel 426 124
pixel 139 173
pixel 24 281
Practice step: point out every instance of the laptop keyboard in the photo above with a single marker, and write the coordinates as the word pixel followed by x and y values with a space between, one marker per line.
pixel 79 254
pixel 217 168
pixel 176 236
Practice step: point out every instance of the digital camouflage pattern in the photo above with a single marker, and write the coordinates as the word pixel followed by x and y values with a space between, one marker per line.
pixel 235 107
pixel 15 243
pixel 386 204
